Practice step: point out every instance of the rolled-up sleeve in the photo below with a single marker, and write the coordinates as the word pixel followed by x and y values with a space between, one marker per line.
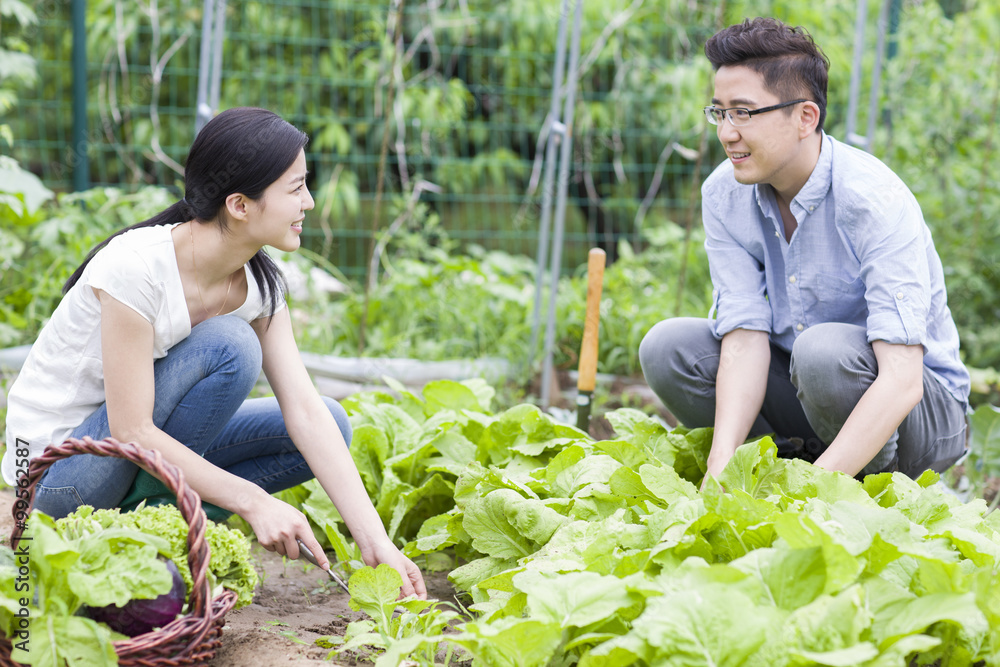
pixel 739 297
pixel 893 252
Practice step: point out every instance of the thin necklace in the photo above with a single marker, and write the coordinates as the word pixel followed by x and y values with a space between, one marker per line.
pixel 198 285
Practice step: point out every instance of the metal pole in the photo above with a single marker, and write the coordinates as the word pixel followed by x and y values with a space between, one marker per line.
pixel 220 36
pixel 565 158
pixel 556 132
pixel 81 164
pixel 894 13
pixel 854 90
pixel 873 95
pixel 210 61
pixel 892 47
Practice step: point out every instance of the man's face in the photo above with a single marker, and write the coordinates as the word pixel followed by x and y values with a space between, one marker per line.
pixel 763 150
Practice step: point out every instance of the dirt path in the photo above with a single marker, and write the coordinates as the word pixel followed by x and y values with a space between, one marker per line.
pixel 293 606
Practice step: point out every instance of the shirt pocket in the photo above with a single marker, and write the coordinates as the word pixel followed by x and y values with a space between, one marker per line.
pixel 831 298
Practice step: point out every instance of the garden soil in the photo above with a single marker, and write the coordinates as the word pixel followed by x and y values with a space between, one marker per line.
pixel 295 605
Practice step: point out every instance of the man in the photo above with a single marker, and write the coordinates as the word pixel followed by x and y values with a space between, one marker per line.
pixel 831 328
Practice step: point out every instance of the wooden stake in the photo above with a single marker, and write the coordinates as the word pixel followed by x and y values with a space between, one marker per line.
pixel 587 378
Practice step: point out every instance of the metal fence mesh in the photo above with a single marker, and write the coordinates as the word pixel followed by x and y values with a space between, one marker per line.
pixel 469 84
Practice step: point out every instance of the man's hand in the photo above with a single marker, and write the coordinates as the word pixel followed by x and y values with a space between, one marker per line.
pixel 739 393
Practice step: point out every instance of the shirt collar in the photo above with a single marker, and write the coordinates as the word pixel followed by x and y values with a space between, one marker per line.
pixel 815 189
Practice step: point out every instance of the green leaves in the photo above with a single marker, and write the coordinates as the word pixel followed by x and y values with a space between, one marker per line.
pixel 401 627
pixel 164 528
pixel 374 591
pixel 370 449
pixel 72 640
pixel 574 599
pixel 606 553
pixel 21 190
pixel 712 625
pixel 96 568
pixel 42 240
pixel 443 395
pixel 789 579
pixel 109 573
pixel 918 614
pixel 99 558
pixel 510 642
pixel 503 524
pixel 984 445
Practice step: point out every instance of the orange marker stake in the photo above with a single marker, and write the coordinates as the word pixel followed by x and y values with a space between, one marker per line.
pixel 587 378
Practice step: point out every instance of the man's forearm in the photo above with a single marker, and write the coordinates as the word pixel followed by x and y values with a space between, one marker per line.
pixel 882 408
pixel 739 392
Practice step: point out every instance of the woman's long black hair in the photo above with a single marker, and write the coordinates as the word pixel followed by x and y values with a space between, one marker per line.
pixel 241 150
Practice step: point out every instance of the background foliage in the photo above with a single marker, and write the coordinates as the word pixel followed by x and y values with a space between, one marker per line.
pixel 462 99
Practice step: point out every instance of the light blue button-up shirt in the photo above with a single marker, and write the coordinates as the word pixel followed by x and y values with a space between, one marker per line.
pixel 861 254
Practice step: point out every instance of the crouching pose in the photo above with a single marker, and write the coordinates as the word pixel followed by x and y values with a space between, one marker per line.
pixel 831 326
pixel 162 334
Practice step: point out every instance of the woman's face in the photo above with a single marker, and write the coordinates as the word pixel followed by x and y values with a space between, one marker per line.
pixel 281 210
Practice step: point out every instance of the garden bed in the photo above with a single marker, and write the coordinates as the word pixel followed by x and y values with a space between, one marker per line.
pixel 293 606
pixel 554 516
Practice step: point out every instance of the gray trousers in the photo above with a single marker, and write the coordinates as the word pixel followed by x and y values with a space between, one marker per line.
pixel 810 393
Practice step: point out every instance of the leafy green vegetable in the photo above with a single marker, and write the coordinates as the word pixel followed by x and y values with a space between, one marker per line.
pixel 505 525
pixel 230 565
pixel 99 558
pixel 374 591
pixel 401 627
pixel 66 573
pixel 139 616
pixel 606 553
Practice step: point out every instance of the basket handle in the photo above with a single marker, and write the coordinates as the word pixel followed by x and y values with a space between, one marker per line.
pixel 188 501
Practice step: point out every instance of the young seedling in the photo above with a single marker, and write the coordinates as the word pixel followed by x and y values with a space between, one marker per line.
pixel 400 627
pixel 287 634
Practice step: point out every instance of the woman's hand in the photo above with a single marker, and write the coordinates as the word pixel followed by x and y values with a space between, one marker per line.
pixel 278 526
pixel 317 436
pixel 386 552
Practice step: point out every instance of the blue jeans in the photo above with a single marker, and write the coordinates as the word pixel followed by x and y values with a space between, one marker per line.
pixel 201 400
pixel 810 393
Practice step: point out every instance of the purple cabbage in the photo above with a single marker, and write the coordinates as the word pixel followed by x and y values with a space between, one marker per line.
pixel 138 617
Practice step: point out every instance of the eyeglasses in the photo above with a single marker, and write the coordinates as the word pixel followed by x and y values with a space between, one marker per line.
pixel 739 116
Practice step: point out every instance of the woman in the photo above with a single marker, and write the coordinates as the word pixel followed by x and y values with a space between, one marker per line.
pixel 162 334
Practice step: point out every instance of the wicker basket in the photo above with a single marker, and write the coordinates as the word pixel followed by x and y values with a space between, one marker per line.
pixel 189 640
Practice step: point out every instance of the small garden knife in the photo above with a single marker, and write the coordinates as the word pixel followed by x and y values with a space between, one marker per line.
pixel 311 557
